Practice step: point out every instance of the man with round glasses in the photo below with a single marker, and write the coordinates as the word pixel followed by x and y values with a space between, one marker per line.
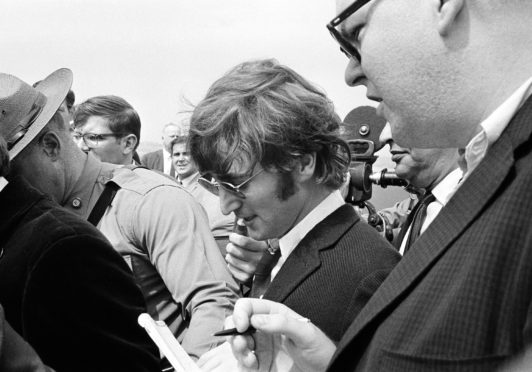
pixel 449 73
pixel 266 141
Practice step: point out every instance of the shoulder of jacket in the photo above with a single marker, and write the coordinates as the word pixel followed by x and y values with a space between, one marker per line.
pixel 141 180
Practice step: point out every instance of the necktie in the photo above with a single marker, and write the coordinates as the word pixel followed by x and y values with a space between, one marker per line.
pixel 419 214
pixel 262 277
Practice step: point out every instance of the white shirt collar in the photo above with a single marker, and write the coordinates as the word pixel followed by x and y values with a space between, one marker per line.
pixel 167 161
pixel 3 183
pixel 442 192
pixel 328 205
pixel 444 189
pixel 493 126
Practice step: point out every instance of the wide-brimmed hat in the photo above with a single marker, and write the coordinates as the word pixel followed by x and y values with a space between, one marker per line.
pixel 25 110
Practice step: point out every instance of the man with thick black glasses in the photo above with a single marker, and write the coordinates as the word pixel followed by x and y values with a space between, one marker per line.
pixel 448 73
pixel 266 142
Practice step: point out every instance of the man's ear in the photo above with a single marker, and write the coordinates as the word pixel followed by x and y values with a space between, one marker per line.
pixel 130 142
pixel 448 12
pixel 306 166
pixel 51 145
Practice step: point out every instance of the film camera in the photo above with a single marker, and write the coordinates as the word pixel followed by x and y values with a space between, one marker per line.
pixel 361 129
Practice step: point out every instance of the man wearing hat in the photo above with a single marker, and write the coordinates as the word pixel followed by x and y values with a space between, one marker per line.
pixel 62 286
pixel 157 227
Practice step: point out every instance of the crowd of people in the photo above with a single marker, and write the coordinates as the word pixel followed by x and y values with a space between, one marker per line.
pixel 240 220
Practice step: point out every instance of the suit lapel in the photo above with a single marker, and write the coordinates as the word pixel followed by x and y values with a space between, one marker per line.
pixel 304 259
pixel 468 202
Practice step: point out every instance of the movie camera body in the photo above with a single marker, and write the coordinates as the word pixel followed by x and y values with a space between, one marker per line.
pixel 361 130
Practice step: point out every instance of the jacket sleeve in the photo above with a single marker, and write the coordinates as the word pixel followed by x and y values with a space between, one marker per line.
pixel 81 307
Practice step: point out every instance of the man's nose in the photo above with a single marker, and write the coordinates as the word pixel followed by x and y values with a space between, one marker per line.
pixel 229 202
pixel 386 135
pixel 82 145
pixel 353 73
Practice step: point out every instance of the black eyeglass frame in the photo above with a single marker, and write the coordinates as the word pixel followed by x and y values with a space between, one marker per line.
pixel 345 46
pixel 210 184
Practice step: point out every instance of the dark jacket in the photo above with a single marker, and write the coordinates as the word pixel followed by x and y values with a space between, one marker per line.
pixel 461 299
pixel 155 160
pixel 334 271
pixel 17 355
pixel 66 290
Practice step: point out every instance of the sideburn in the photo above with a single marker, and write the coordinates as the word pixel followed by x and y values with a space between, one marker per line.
pixel 286 186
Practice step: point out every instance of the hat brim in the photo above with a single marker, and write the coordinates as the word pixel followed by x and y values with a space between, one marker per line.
pixel 55 87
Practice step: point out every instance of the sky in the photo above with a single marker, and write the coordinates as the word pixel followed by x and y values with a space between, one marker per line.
pixel 162 55
pixel 159 54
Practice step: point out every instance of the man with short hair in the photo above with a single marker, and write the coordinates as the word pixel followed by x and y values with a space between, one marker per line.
pixel 451 73
pixel 157 227
pixel 187 173
pixel 266 141
pixel 62 285
pixel 108 127
pixel 161 160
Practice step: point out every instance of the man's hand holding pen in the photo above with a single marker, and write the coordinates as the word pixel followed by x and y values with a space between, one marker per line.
pixel 283 340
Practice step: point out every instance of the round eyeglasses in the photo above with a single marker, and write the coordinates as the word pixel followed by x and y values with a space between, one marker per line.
pixel 212 185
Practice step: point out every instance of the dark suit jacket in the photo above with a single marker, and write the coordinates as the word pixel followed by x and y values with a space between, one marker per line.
pixel 333 271
pixel 65 289
pixel 460 300
pixel 155 160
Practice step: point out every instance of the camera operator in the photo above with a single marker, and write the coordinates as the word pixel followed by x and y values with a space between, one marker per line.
pixel 432 174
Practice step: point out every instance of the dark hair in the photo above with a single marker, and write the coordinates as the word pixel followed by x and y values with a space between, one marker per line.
pixel 70 99
pixel 120 115
pixel 264 112
pixel 178 139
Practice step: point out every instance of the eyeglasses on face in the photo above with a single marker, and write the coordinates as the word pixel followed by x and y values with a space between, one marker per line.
pixel 209 183
pixel 94 139
pixel 345 45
